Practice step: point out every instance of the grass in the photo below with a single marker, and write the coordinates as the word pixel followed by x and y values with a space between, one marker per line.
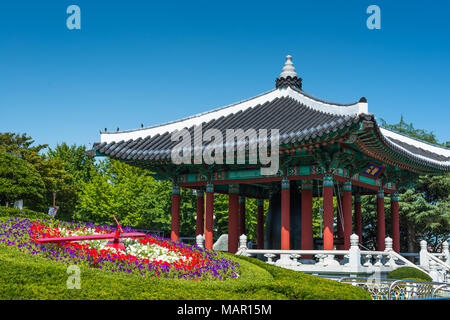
pixel 24 276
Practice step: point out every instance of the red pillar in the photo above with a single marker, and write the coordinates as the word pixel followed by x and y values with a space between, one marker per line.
pixel 285 213
pixel 339 220
pixel 260 225
pixel 358 217
pixel 395 223
pixel 200 212
pixel 347 212
pixel 307 231
pixel 328 212
pixel 241 215
pixel 233 214
pixel 209 221
pixel 381 228
pixel 175 228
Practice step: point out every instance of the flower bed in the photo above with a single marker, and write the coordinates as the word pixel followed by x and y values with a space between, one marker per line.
pixel 150 256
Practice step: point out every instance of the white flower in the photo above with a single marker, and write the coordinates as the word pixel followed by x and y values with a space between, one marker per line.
pixel 132 246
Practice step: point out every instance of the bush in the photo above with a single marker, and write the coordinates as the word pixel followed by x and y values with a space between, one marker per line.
pixel 408 273
pixel 300 286
pixel 413 279
pixel 24 213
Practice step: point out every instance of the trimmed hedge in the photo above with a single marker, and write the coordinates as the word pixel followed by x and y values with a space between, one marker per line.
pixel 301 286
pixel 24 213
pixel 24 276
pixel 413 279
pixel 408 273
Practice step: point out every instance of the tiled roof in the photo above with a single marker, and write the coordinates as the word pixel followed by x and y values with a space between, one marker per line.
pixel 416 150
pixel 295 120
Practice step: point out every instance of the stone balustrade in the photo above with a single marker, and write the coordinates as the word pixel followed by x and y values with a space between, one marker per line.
pixel 436 264
pixel 353 262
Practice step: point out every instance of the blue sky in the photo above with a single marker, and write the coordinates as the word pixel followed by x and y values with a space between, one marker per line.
pixel 148 62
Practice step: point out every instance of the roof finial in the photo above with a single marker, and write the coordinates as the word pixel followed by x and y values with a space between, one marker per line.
pixel 288 76
pixel 288 69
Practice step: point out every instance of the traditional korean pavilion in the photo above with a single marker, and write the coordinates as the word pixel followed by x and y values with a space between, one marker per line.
pixel 326 149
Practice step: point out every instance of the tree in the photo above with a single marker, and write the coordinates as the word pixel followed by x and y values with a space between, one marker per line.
pixel 21 145
pixel 18 180
pixel 424 209
pixel 409 130
pixel 56 178
pixel 51 171
pixel 76 162
pixel 134 197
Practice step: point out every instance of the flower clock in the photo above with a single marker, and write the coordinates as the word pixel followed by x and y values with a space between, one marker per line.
pixel 114 249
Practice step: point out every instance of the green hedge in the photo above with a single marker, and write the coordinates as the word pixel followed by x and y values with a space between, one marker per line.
pixel 24 276
pixel 24 213
pixel 408 273
pixel 301 286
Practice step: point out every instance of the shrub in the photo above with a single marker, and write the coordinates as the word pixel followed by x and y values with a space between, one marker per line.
pixel 300 286
pixel 23 213
pixel 408 273
pixel 413 279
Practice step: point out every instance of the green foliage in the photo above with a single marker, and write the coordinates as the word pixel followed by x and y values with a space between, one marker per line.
pixel 129 193
pixel 409 130
pixel 424 209
pixel 7 212
pixel 221 215
pixel 76 162
pixel 408 273
pixel 413 279
pixel 18 180
pixel 25 276
pixel 51 171
pixel 21 146
pixel 56 178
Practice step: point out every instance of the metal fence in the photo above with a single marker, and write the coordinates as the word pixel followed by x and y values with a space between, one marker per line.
pixel 392 289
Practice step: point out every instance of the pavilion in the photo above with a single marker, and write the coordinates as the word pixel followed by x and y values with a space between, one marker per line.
pixel 325 150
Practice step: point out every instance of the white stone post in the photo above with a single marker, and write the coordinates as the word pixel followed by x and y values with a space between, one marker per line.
pixel 445 252
pixel 423 255
pixel 199 240
pixel 388 248
pixel 388 244
pixel 354 254
pixel 243 242
pixel 434 273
